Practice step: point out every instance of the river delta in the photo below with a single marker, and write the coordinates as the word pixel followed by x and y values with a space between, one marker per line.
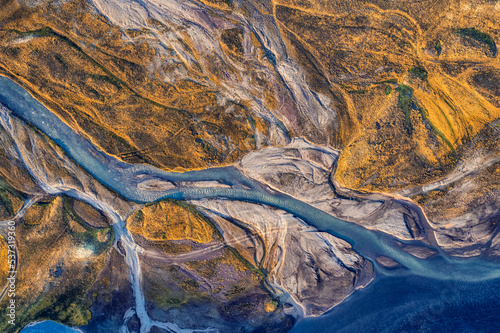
pixel 161 179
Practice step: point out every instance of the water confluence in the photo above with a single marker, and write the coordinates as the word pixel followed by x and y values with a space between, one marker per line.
pixel 124 178
pixel 418 278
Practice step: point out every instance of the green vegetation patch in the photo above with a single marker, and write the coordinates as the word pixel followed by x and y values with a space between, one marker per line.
pixel 419 71
pixel 438 47
pixel 91 235
pixel 479 36
pixel 5 199
pixel 405 103
pixel 245 262
pixel 394 81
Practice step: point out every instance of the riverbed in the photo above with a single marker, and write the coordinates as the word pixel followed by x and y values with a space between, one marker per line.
pixel 398 298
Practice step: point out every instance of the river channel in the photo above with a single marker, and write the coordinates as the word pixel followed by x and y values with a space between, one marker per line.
pixel 412 294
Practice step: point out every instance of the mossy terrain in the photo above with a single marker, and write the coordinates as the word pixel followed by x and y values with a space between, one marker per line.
pixel 480 37
pixel 4 264
pixel 106 91
pixel 60 258
pixel 232 39
pixel 223 287
pixel 220 275
pixel 368 49
pixel 113 92
pixel 10 201
pixel 451 202
pixel 171 220
pixel 14 178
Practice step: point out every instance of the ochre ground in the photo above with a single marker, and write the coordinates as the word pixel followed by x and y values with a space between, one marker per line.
pixel 60 258
pixel 4 264
pixel 169 220
pixel 102 88
pixel 417 77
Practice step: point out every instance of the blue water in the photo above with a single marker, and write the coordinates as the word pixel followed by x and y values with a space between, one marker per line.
pixel 413 304
pixel 391 299
pixel 48 326
pixel 397 304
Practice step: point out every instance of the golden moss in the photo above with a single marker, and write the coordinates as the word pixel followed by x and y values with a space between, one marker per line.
pixel 4 264
pixel 108 92
pixel 168 220
pixel 271 306
pixel 405 100
pixel 51 253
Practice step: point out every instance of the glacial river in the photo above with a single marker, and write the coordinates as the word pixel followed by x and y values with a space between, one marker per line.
pixel 398 300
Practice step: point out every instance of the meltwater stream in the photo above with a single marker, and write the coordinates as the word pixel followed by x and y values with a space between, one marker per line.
pixel 125 179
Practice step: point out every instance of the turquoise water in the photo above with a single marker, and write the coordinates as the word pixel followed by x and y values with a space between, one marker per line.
pixel 474 274
pixel 48 326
